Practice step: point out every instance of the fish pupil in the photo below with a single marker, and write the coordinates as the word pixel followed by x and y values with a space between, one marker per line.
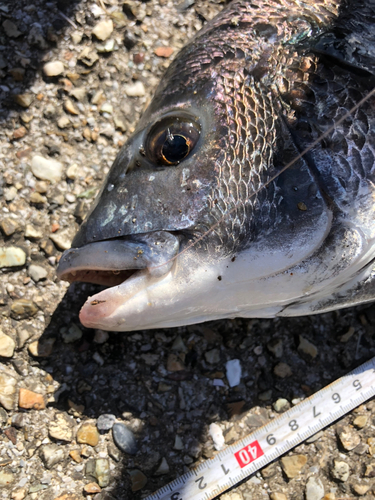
pixel 175 148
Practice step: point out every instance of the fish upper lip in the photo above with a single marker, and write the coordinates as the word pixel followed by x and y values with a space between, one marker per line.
pixel 110 262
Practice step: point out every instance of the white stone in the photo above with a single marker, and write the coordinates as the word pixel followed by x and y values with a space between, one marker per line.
pixel 103 30
pixel 46 169
pixel 314 489
pixel 7 345
pixel 234 372
pixel 136 89
pixel 37 273
pixel 217 436
pixel 12 257
pixel 53 68
pixel 7 391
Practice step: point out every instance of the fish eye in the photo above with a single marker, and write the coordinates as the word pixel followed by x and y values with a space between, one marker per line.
pixel 172 140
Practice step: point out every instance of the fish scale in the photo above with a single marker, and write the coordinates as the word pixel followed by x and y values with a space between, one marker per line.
pixel 257 86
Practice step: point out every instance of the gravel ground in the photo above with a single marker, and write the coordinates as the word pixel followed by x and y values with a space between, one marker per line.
pixel 87 414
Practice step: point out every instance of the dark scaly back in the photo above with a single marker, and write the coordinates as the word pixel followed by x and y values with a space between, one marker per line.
pixel 281 72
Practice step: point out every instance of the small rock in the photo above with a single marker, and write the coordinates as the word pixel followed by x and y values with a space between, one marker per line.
pixel 37 198
pixel 164 51
pixel 106 108
pixel 32 233
pixel 70 108
pixel 31 400
pixel 293 465
pixel 76 456
pixel 370 470
pixel 46 168
pixel 340 470
pixel 102 471
pixel 100 337
pixel 10 193
pixel 98 97
pixel 19 494
pixel 9 227
pixel 307 347
pixel 37 273
pixel 24 100
pixel 76 37
pixel 88 434
pixel 19 420
pixel 178 444
pixel 314 489
pixel 42 348
pixel 233 372
pixel 136 89
pixel 114 452
pixel 7 391
pixel 92 488
pixel 53 68
pixel 11 29
pixel 12 257
pixel 276 347
pixel 233 495
pixel 282 370
pixel 163 468
pixel 119 123
pixel 23 309
pixel 124 438
pixel 73 334
pixel 61 428
pixel 278 496
pixel 105 422
pixel 217 436
pixel 19 133
pixel 361 489
pixel 62 239
pixel 88 57
pixel 281 405
pixel 63 122
pixel 360 421
pixel 108 46
pixel 138 479
pixel 6 477
pixel 51 454
pixel 349 438
pixel 7 345
pixel 11 434
pixel 103 30
pixel 212 356
pixel 174 363
pixel 79 93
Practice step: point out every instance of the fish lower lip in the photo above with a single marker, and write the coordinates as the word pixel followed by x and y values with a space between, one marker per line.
pixel 111 262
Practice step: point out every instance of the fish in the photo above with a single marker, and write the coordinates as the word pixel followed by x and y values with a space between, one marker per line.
pixel 247 188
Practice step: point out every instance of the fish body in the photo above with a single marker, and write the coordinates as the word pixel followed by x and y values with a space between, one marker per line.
pixel 200 219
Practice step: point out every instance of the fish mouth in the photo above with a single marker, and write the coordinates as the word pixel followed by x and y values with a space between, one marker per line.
pixel 123 265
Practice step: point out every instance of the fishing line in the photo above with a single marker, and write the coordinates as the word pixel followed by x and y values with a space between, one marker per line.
pixel 286 167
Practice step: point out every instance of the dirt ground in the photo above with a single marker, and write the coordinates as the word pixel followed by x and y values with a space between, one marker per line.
pixel 62 386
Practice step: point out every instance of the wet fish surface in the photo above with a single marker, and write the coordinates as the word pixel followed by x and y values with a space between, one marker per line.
pixel 198 218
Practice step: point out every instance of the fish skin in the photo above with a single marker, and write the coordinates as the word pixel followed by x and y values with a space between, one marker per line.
pixel 264 79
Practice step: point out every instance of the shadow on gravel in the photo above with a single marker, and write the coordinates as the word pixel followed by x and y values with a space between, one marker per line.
pixel 28 32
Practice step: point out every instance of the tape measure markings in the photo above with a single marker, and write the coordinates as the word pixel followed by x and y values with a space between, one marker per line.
pixel 275 438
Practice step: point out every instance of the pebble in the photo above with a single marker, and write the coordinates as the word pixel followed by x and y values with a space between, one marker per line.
pixel 24 100
pixel 61 427
pixel 62 239
pixel 31 400
pixel 233 372
pixel 100 337
pixel 370 470
pixel 19 133
pixel 70 108
pixel 276 347
pixel 76 456
pixel 293 465
pixel 23 309
pixel 88 434
pixel 314 489
pixel 51 454
pixel 278 496
pixel 361 489
pixel 88 57
pixel 349 438
pixel 42 348
pixel 281 405
pixel 37 198
pixel 178 444
pixel 46 168
pixel 6 477
pixel 7 345
pixel 37 273
pixel 105 422
pixel 163 468
pixel 340 470
pixel 10 193
pixel 7 391
pixel 114 452
pixel 217 436
pixel 212 356
pixel 79 93
pixel 19 494
pixel 124 438
pixel 63 122
pixel 32 233
pixel 11 29
pixel 103 30
pixel 174 363
pixel 164 51
pixel 108 46
pixel 12 257
pixel 307 347
pixel 76 37
pixel 136 89
pixel 102 471
pixel 92 488
pixel 282 370
pixel 53 68
pixel 138 479
pixel 360 421
pixel 9 227
pixel 73 334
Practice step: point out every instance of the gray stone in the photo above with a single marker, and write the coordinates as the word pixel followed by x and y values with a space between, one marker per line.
pixel 105 422
pixel 163 468
pixel 102 471
pixel 37 273
pixel 51 454
pixel 314 489
pixel 212 356
pixel 124 438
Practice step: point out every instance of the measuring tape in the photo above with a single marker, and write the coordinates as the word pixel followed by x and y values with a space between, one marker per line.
pixel 238 461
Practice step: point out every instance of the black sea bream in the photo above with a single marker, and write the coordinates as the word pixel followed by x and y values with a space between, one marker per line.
pixel 194 223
